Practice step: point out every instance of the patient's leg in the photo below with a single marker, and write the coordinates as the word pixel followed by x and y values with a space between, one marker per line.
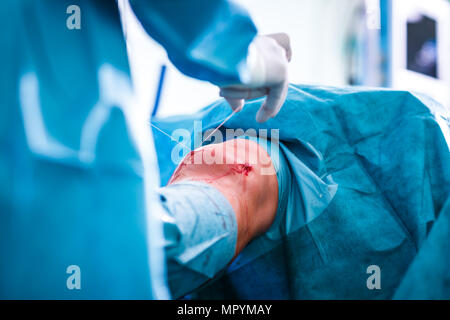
pixel 243 172
pixel 219 198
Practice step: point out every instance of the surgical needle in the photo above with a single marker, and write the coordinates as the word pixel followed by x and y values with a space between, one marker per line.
pixel 209 136
pixel 223 122
pixel 171 138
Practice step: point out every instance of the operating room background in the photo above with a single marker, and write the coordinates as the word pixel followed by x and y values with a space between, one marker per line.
pixel 334 42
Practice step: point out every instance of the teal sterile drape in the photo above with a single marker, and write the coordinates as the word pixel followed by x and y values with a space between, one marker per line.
pixel 388 153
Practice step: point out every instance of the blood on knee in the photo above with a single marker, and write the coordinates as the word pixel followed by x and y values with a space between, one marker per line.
pixel 244 169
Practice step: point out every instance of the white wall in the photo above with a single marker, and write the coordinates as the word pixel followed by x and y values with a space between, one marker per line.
pixel 317 29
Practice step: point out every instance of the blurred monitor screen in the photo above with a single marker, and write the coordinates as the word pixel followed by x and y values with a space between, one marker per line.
pixel 421 45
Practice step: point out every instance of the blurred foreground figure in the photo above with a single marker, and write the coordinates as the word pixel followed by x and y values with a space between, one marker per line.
pixel 77 161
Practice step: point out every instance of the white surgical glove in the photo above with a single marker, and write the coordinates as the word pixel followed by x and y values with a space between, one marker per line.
pixel 266 74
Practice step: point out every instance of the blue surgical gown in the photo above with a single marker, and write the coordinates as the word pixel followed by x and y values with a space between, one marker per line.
pixel 76 178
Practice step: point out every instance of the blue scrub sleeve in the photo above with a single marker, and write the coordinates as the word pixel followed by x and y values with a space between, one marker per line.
pixel 204 39
pixel 200 231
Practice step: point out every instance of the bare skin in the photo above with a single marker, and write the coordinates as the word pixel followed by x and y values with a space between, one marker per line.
pixel 243 172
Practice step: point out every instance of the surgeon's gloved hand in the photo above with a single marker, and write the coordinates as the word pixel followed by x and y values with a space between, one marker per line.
pixel 267 74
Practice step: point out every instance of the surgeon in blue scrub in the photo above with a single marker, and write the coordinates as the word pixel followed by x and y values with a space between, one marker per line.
pixel 79 217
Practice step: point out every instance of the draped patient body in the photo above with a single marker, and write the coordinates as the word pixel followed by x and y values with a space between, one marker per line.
pixel 219 198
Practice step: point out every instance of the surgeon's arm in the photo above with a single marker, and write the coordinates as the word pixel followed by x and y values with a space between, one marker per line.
pixel 205 39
